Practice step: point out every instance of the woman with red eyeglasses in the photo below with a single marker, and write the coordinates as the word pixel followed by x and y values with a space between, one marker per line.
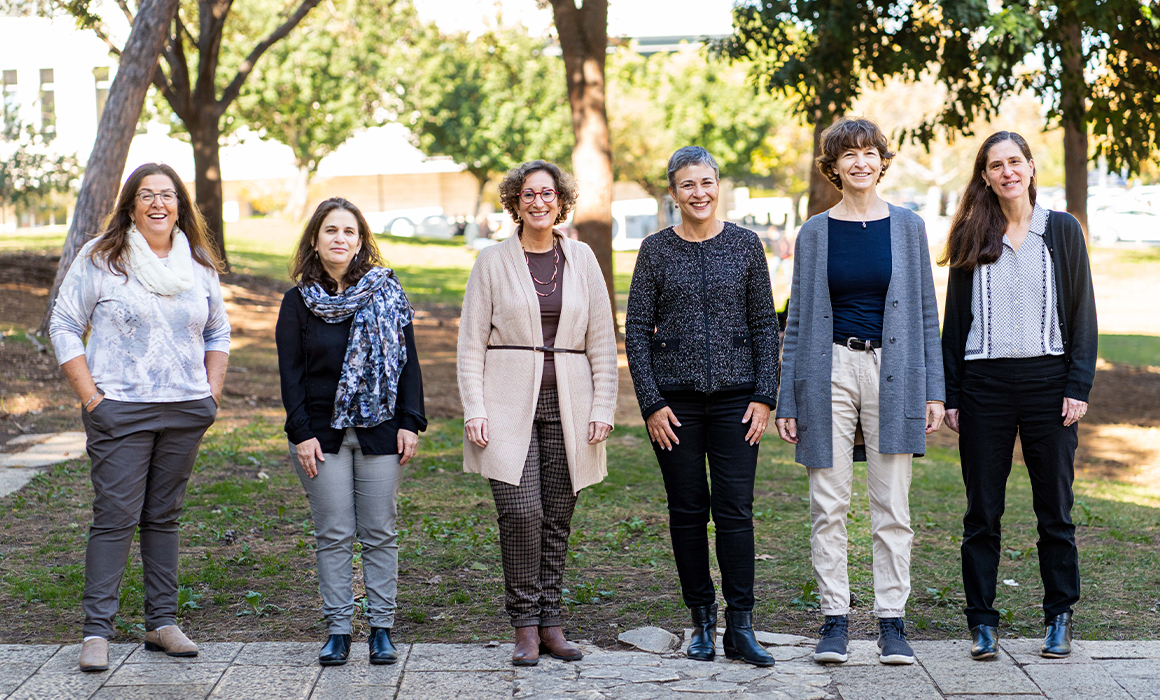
pixel 537 376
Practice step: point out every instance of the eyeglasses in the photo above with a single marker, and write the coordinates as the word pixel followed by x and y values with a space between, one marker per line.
pixel 166 196
pixel 548 195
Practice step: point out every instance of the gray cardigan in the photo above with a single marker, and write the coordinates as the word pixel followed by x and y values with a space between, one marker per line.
pixel 911 355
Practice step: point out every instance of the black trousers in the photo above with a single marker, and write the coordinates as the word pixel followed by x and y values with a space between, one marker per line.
pixel 711 427
pixel 1000 399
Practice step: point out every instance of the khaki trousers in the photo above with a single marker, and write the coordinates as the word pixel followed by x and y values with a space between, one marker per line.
pixel 854 387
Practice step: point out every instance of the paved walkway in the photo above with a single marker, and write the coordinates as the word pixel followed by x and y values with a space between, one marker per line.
pixel 289 670
pixel 36 453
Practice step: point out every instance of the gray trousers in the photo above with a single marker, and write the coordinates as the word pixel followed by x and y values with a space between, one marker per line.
pixel 354 494
pixel 142 455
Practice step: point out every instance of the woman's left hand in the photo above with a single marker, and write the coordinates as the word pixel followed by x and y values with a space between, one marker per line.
pixel 408 445
pixel 934 416
pixel 757 416
pixel 1073 410
pixel 598 432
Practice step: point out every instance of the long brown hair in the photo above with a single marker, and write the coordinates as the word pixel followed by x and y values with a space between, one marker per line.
pixel 976 235
pixel 111 248
pixel 306 267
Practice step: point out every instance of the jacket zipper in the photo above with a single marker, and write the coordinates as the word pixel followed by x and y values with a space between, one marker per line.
pixel 705 318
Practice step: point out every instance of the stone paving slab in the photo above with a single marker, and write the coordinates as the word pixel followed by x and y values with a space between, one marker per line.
pixel 951 667
pixel 1140 677
pixel 167 674
pixel 441 685
pixel 207 653
pixel 1026 651
pixel 1122 649
pixel 879 683
pixel 45 450
pixel 1076 682
pixel 268 683
pixel 153 692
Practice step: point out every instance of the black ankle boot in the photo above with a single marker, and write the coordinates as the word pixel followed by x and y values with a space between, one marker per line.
pixel 739 641
pixel 336 650
pixel 704 640
pixel 1057 643
pixel 382 649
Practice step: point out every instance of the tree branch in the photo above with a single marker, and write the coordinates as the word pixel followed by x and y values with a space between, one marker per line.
pixel 113 49
pixel 235 87
pixel 125 8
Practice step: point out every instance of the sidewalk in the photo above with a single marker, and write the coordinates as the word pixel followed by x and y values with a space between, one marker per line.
pixel 1128 670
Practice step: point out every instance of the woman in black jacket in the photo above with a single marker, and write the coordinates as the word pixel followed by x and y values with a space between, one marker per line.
pixel 702 342
pixel 1019 352
pixel 353 394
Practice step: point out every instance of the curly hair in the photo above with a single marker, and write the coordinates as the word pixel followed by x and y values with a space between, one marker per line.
pixel 513 183
pixel 112 248
pixel 305 267
pixel 847 133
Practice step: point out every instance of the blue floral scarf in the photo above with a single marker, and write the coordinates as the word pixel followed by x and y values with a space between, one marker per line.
pixel 376 350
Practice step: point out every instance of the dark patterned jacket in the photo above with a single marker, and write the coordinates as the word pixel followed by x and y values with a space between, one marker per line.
pixel 701 318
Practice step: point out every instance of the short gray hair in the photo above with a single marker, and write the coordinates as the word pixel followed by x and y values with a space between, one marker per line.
pixel 690 155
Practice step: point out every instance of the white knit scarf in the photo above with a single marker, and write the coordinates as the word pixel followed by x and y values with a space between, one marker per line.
pixel 156 276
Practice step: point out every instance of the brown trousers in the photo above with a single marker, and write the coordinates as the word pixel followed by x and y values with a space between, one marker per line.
pixel 535 519
pixel 142 455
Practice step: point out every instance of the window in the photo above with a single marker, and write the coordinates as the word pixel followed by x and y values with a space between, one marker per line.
pixel 47 101
pixel 101 79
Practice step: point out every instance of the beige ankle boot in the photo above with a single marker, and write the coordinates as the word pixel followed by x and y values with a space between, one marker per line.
pixel 171 640
pixel 95 655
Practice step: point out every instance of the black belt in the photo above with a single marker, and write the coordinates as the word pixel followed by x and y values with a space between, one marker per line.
pixel 535 349
pixel 859 344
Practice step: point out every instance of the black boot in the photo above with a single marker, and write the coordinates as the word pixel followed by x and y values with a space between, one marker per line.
pixel 704 640
pixel 1057 643
pixel 984 642
pixel 336 650
pixel 382 649
pixel 739 641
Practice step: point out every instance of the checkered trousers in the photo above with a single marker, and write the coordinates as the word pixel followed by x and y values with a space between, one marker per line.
pixel 535 519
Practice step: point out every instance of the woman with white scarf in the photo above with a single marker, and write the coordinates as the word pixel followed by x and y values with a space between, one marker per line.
pixel 353 394
pixel 149 381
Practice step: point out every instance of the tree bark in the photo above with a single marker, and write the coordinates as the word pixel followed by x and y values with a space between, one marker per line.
pixel 1074 107
pixel 583 33
pixel 207 168
pixel 115 131
pixel 823 194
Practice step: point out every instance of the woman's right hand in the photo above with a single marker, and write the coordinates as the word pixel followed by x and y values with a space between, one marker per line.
pixel 308 452
pixel 476 431
pixel 787 429
pixel 660 430
pixel 951 418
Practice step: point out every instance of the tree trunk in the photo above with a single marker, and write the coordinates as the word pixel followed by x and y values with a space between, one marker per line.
pixel 115 131
pixel 295 208
pixel 583 35
pixel 205 134
pixel 823 194
pixel 1074 107
pixel 663 219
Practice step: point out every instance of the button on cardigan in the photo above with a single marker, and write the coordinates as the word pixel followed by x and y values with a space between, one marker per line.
pixel 500 307
pixel 911 356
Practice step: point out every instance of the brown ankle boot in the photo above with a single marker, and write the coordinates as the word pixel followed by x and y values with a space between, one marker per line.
pixel 552 641
pixel 527 651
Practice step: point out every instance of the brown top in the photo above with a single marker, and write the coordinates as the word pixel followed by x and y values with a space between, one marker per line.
pixel 548 268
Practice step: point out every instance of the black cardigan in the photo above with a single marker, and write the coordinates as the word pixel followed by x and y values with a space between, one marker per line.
pixel 1075 303
pixel 310 355
pixel 701 317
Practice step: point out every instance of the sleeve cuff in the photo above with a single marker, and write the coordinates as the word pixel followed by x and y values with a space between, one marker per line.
pixel 218 346
pixel 653 408
pixel 762 398
pixel 299 434
pixel 412 423
pixel 67 347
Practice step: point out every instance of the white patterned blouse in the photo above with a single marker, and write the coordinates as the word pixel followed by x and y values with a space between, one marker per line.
pixel 1013 301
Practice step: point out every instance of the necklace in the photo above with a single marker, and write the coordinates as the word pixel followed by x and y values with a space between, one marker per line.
pixel 859 217
pixel 555 272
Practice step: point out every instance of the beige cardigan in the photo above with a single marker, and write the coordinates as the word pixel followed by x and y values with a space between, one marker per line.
pixel 500 307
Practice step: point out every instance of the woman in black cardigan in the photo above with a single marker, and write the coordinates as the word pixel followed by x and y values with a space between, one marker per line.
pixel 353 394
pixel 1019 353
pixel 702 342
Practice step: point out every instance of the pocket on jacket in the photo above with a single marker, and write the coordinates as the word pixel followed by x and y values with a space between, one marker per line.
pixel 666 344
pixel 914 401
pixel 799 398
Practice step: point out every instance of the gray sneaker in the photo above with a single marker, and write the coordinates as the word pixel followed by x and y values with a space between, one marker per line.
pixel 835 633
pixel 892 642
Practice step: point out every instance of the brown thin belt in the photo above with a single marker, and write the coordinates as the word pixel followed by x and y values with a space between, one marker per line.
pixel 541 348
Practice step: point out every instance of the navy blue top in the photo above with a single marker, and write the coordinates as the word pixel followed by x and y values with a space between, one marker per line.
pixel 858 270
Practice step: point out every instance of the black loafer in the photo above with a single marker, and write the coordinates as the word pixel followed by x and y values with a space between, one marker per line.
pixel 703 641
pixel 382 649
pixel 1057 643
pixel 985 642
pixel 336 650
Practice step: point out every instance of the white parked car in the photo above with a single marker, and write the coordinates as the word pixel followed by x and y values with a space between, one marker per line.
pixel 1125 221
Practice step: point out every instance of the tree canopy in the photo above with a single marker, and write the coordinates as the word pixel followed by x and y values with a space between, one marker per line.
pixel 31 171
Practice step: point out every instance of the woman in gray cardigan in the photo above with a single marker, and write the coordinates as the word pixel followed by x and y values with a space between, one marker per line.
pixel 861 348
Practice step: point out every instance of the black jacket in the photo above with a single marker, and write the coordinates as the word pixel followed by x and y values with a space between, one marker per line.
pixel 310 355
pixel 1075 302
pixel 701 317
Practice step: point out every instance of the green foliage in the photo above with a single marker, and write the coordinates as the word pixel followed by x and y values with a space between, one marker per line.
pixel 30 170
pixel 1138 350
pixel 258 606
pixel 662 102
pixel 490 101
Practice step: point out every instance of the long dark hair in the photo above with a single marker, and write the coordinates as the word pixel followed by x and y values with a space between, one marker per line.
pixel 112 246
pixel 305 266
pixel 976 235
